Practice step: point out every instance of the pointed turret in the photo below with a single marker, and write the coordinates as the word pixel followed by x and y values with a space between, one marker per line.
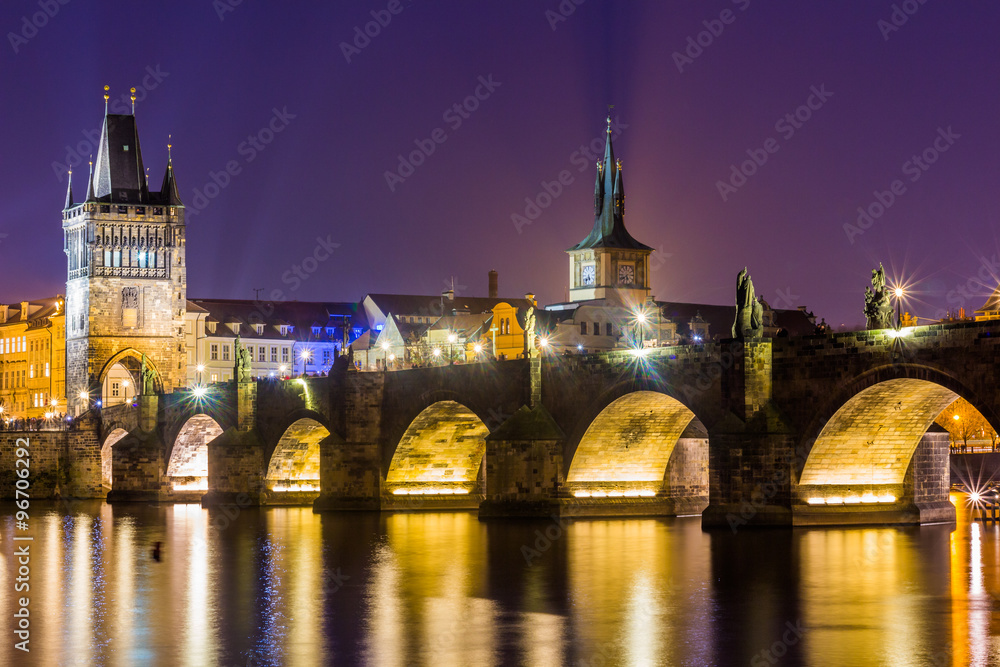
pixel 598 191
pixel 619 193
pixel 69 191
pixel 90 184
pixel 169 192
pixel 609 224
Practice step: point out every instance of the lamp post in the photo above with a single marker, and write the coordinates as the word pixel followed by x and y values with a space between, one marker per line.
pixel 385 355
pixel 451 347
pixel 306 355
pixel 201 369
pixel 640 319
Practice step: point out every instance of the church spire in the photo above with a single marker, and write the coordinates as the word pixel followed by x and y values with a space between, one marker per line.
pixel 69 191
pixel 598 191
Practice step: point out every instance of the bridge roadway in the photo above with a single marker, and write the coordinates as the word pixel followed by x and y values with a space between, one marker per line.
pixel 825 429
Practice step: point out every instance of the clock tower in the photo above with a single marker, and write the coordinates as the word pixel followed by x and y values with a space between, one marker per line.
pixel 609 264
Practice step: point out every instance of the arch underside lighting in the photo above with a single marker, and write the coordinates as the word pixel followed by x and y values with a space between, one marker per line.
pixel 294 465
pixel 626 449
pixel 864 451
pixel 440 453
pixel 187 469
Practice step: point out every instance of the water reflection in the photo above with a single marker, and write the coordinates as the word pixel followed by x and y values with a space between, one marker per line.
pixel 282 586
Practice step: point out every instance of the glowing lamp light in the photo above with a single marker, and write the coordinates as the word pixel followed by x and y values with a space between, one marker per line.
pixel 199 391
pixel 834 500
pixel 98 404
pixel 306 355
pixel 615 494
pixel 452 338
pixel 283 368
pixel 899 292
pixel 477 348
pixel 580 348
pixel 817 501
pixel 640 317
pixel 887 498
pixel 1 409
pixel 392 357
pixel 956 417
pixel 581 494
pixel 385 345
pixel 599 494
pixel 201 368
pixel 125 383
pixel 869 498
pixel 84 395
pixel 975 496
pixel 55 402
pixel 852 500
pixel 437 351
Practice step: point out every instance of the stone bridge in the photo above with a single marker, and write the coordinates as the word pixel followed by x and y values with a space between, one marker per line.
pixel 826 429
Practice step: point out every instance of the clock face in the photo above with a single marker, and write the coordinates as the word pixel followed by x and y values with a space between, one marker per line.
pixel 589 275
pixel 626 274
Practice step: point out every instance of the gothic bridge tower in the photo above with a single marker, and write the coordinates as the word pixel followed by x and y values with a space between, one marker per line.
pixel 126 288
pixel 609 264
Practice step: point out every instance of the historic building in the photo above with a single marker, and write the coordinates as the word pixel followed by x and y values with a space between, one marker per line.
pixel 126 284
pixel 32 359
pixel 283 339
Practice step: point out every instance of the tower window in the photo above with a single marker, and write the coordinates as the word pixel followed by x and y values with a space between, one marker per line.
pixel 583 328
pixel 125 148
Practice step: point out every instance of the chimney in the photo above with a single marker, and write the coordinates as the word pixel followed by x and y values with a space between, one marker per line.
pixel 449 294
pixel 24 311
pixel 494 287
pixel 530 297
pixel 3 313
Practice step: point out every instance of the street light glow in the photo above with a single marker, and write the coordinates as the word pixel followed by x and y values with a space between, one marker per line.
pixel 899 292
pixel 199 391
pixel 84 395
pixel 385 345
pixel 201 368
pixel 544 342
pixel 452 338
pixel 437 351
pixel 477 348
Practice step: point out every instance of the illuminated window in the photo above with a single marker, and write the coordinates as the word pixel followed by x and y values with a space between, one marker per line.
pixel 326 356
pixel 46 369
pixel 31 371
pixel 215 377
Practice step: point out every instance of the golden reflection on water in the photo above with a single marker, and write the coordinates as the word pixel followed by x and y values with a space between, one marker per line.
pixel 282 586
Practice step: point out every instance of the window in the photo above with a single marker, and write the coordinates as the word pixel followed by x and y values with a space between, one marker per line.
pixel 326 356
pixel 597 328
pixel 274 354
pixel 329 331
pixel 31 372
pixel 115 388
pixel 315 331
pixel 262 353
pixel 46 369
pixel 284 355
pixel 215 377
pixel 583 328
pixel 225 352
pixel 214 354
pixel 607 327
pixel 250 352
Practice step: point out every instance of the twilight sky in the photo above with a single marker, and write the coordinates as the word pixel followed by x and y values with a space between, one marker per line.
pixel 310 118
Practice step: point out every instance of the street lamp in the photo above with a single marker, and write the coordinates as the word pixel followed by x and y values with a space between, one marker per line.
pixel 385 355
pixel 201 369
pixel 306 355
pixel 282 369
pixel 640 319
pixel 451 347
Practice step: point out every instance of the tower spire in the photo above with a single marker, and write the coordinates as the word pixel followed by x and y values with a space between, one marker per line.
pixel 619 193
pixel 133 99
pixel 69 191
pixel 106 98
pixel 169 189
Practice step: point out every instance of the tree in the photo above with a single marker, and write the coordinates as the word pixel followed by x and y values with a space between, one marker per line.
pixel 963 423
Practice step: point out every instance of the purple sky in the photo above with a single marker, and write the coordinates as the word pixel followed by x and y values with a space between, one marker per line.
pixel 324 176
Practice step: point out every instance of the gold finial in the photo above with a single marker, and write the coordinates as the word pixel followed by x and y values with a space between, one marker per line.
pixel 610 107
pixel 106 98
pixel 132 90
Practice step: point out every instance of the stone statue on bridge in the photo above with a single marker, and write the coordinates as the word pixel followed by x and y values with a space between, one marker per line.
pixel 242 370
pixel 529 333
pixel 749 311
pixel 878 306
pixel 148 377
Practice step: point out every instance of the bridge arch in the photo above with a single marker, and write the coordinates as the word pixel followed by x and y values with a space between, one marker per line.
pixel 627 445
pixel 187 462
pixel 442 448
pixel 116 434
pixel 863 442
pixel 293 463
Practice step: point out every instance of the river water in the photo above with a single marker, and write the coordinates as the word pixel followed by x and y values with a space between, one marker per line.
pixel 284 586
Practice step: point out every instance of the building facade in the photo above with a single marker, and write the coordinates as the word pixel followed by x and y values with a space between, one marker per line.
pixel 32 359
